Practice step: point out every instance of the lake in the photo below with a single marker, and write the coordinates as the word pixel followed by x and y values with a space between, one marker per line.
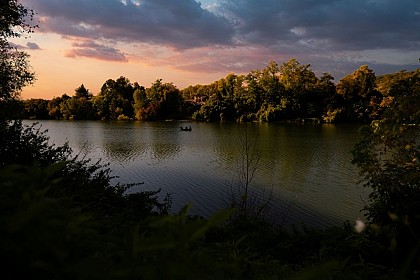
pixel 305 169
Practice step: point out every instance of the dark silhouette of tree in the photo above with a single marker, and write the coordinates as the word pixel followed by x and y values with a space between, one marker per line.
pixel 15 21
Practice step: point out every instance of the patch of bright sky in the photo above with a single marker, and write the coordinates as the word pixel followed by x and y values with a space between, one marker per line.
pixel 207 4
pixel 299 31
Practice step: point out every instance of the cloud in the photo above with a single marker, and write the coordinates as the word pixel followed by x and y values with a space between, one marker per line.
pixel 334 36
pixel 29 46
pixel 32 46
pixel 327 25
pixel 91 49
pixel 178 24
pixel 16 46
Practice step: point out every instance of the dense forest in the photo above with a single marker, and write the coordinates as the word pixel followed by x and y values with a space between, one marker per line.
pixel 287 92
pixel 61 218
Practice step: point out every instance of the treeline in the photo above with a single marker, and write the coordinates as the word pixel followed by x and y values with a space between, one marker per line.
pixel 286 92
pixel 118 100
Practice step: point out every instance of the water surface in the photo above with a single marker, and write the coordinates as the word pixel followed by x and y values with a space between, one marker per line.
pixel 305 168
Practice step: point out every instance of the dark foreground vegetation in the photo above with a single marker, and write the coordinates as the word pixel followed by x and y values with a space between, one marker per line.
pixel 61 218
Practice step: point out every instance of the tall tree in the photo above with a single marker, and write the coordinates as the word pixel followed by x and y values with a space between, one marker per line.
pixel 270 84
pixel 115 99
pixel 54 106
pixel 359 94
pixel 300 83
pixel 253 87
pixel 388 156
pixel 15 70
pixel 82 92
pixel 164 100
pixel 140 101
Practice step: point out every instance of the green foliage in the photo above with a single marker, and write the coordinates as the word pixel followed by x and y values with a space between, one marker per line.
pixel 287 92
pixel 360 100
pixel 388 157
pixel 48 233
pixel 14 14
pixel 160 101
pixel 82 92
pixel 27 145
pixel 40 234
pixel 115 98
pixel 385 83
pixel 35 109
pixel 14 70
pixel 140 101
pixel 174 248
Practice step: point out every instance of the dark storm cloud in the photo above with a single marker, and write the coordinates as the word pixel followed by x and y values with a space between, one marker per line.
pixel 330 24
pixel 179 24
pixel 325 25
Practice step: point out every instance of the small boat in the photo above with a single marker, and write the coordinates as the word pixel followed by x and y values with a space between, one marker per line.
pixel 186 128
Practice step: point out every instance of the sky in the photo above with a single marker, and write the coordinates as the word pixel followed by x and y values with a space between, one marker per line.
pixel 188 42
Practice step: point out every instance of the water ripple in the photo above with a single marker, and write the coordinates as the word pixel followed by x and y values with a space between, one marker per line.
pixel 308 167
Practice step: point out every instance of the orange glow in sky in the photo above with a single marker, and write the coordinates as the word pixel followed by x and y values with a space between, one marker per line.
pixel 57 73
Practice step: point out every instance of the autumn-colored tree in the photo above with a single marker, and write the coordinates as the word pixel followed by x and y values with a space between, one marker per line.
pixel 359 96
pixel 164 100
pixel 300 83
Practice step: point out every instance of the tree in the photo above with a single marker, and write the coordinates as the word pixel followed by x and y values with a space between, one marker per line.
pixel 247 203
pixel 55 106
pixel 388 157
pixel 300 83
pixel 297 77
pixel 389 154
pixel 253 87
pixel 321 100
pixel 14 71
pixel 36 109
pixel 359 94
pixel 163 100
pixel 77 109
pixel 82 92
pixel 272 88
pixel 226 86
pixel 140 101
pixel 115 99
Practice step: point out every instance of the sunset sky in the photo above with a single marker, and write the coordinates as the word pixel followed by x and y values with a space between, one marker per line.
pixel 188 42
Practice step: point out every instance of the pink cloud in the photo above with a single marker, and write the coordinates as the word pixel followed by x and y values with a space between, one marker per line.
pixel 91 49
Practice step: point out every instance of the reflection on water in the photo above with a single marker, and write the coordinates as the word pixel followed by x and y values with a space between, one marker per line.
pixel 122 152
pixel 306 166
pixel 119 143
